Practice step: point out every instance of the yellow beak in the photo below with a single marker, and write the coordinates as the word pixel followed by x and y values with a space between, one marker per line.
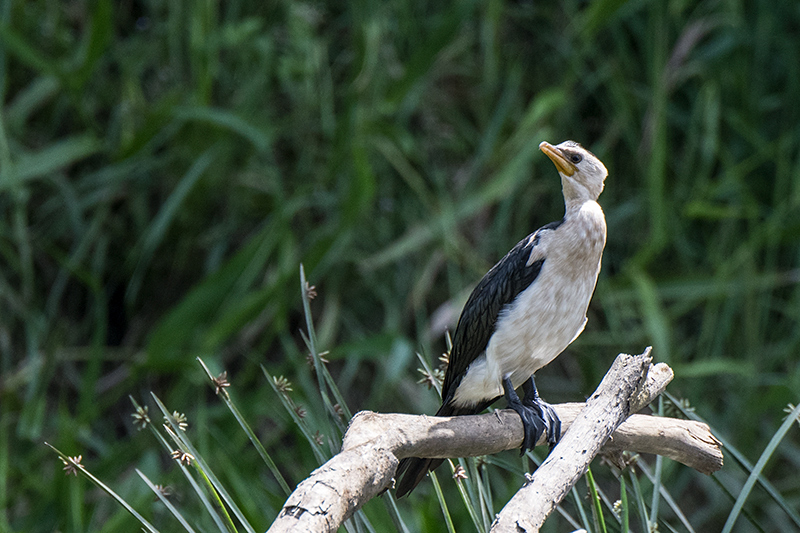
pixel 563 164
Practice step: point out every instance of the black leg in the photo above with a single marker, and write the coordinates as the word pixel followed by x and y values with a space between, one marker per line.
pixel 533 423
pixel 548 415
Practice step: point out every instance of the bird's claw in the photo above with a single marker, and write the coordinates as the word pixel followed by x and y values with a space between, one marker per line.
pixel 533 424
pixel 552 422
pixel 538 417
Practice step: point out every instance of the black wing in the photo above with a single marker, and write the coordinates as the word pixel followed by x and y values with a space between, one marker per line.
pixel 498 287
pixel 475 326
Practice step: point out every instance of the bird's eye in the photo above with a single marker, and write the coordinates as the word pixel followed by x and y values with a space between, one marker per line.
pixel 576 158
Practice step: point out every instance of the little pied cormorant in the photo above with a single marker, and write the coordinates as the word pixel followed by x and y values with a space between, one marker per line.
pixel 526 310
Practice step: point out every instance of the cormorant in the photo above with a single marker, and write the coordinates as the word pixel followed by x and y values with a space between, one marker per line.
pixel 526 310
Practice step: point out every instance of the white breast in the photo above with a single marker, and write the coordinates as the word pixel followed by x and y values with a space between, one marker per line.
pixel 547 316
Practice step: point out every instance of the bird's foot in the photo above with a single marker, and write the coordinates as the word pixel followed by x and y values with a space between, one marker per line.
pixel 532 400
pixel 534 425
pixel 549 419
pixel 538 417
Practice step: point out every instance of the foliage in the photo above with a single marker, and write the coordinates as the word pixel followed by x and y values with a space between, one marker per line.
pixel 165 167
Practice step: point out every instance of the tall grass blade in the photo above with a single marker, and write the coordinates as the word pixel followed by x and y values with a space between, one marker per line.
pixel 448 520
pixel 51 159
pixel 299 422
pixel 585 521
pixel 666 496
pixel 157 230
pixel 223 393
pixel 225 119
pixel 640 505
pixel 656 480
pixel 597 507
pixel 394 512
pixel 212 488
pixel 120 500
pixel 429 371
pixel 198 490
pixel 168 504
pixel 624 510
pixel 468 502
pixel 324 379
pixel 733 451
pixel 759 467
pixel 202 467
pixel 481 484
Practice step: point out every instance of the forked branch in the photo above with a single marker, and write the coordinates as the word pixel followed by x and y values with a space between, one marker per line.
pixel 374 444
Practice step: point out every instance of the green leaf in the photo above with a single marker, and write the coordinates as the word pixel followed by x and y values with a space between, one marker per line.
pixel 53 158
pixel 178 335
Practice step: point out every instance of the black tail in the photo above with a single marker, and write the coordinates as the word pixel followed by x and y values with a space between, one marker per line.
pixel 414 469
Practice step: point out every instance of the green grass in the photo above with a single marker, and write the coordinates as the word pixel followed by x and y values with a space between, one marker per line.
pixel 165 169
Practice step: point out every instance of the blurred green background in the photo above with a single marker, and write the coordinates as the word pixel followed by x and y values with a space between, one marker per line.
pixel 165 168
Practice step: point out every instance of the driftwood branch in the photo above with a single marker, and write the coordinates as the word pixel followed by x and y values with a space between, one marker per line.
pixel 607 408
pixel 374 444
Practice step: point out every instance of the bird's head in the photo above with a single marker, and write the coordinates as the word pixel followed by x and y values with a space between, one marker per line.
pixel 582 174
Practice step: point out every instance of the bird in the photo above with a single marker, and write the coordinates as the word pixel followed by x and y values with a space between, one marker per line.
pixel 525 311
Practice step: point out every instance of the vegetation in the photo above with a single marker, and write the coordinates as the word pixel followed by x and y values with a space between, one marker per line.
pixel 166 167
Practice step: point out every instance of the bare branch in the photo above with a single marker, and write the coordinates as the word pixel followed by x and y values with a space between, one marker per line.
pixel 608 407
pixel 374 443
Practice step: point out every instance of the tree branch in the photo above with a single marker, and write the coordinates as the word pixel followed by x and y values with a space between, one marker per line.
pixel 607 408
pixel 374 444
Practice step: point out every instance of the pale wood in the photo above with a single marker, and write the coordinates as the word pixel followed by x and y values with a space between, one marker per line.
pixel 605 410
pixel 374 443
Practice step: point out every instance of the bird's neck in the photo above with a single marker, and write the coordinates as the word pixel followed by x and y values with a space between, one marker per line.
pixel 577 194
pixel 586 220
pixel 573 206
